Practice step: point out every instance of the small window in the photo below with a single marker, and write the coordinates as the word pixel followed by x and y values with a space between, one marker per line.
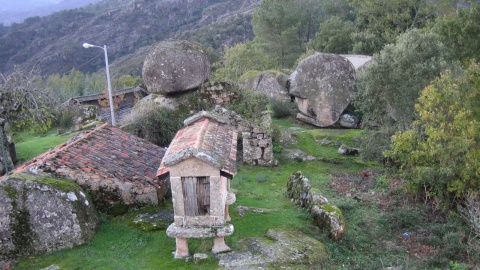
pixel 196 195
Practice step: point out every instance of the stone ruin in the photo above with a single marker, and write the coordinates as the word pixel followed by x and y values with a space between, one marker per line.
pixel 257 145
pixel 8 155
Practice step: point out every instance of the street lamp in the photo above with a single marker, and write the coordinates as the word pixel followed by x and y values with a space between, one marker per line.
pixel 104 48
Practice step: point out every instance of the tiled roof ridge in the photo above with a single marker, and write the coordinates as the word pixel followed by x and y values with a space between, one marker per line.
pixel 203 130
pixel 55 150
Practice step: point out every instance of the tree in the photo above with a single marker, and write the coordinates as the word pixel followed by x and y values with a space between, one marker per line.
pixel 24 103
pixel 239 59
pixel 381 21
pixel 461 33
pixel 334 36
pixel 282 27
pixel 442 152
pixel 391 84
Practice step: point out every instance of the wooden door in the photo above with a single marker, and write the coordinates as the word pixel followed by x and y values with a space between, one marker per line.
pixel 196 195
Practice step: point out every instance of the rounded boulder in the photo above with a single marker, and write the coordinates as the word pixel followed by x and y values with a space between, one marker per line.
pixel 324 85
pixel 175 66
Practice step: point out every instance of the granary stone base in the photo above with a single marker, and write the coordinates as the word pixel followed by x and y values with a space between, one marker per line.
pixel 182 233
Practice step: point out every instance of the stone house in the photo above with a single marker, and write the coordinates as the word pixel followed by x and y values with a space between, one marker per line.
pixel 118 168
pixel 200 162
pixel 129 96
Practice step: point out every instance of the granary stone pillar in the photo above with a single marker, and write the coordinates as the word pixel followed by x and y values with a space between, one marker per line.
pixel 182 248
pixel 219 245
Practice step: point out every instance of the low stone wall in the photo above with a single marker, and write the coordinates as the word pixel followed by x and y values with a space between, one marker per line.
pixel 325 215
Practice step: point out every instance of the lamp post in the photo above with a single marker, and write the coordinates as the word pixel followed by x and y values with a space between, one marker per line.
pixel 104 48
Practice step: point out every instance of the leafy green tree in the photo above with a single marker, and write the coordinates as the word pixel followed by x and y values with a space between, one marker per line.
pixel 239 59
pixel 461 32
pixel 381 21
pixel 24 103
pixel 334 36
pixel 282 27
pixel 391 84
pixel 442 152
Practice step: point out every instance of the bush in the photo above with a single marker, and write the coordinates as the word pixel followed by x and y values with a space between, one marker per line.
pixel 249 104
pixel 282 108
pixel 154 123
pixel 67 118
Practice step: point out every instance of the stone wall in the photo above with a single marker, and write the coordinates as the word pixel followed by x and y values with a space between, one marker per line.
pixel 257 145
pixel 325 215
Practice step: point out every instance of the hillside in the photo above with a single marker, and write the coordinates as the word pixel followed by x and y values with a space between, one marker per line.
pixel 53 43
pixel 17 11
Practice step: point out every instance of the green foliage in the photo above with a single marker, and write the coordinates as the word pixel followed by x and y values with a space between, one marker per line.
pixel 282 108
pixel 442 152
pixel 281 27
pixel 460 33
pixel 379 22
pixel 334 36
pixel 154 123
pixel 392 82
pixel 239 59
pixel 249 104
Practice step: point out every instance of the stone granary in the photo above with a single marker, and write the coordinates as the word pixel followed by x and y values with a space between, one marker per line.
pixel 118 168
pixel 200 163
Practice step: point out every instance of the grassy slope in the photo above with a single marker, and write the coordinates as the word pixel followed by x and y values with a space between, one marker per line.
pixel 375 222
pixel 29 146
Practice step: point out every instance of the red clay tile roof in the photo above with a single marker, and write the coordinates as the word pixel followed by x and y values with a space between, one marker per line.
pixel 207 140
pixel 108 152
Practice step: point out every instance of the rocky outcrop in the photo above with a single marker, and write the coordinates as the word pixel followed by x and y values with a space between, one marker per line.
pixel 348 151
pixel 349 121
pixel 175 66
pixel 273 84
pixel 324 86
pixel 282 247
pixel 41 215
pixel 325 215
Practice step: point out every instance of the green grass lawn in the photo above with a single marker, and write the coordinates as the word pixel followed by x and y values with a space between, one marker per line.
pixel 376 212
pixel 29 145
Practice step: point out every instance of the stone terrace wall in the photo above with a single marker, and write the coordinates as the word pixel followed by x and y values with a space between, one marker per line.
pixel 256 140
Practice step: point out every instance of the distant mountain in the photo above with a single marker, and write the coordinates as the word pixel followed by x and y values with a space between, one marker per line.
pixel 17 11
pixel 53 44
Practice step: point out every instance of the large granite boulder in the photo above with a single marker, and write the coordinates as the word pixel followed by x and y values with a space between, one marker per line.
pixel 273 84
pixel 40 215
pixel 175 66
pixel 324 85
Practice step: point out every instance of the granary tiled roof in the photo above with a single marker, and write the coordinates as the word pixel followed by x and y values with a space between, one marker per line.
pixel 108 152
pixel 206 139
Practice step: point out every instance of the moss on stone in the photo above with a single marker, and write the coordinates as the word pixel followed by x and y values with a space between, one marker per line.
pixel 11 191
pixel 62 184
pixel 332 209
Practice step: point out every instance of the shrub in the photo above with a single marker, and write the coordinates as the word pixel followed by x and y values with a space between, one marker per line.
pixel 154 123
pixel 249 104
pixel 282 108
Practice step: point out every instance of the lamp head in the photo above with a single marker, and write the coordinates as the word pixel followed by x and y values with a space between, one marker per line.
pixel 86 45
